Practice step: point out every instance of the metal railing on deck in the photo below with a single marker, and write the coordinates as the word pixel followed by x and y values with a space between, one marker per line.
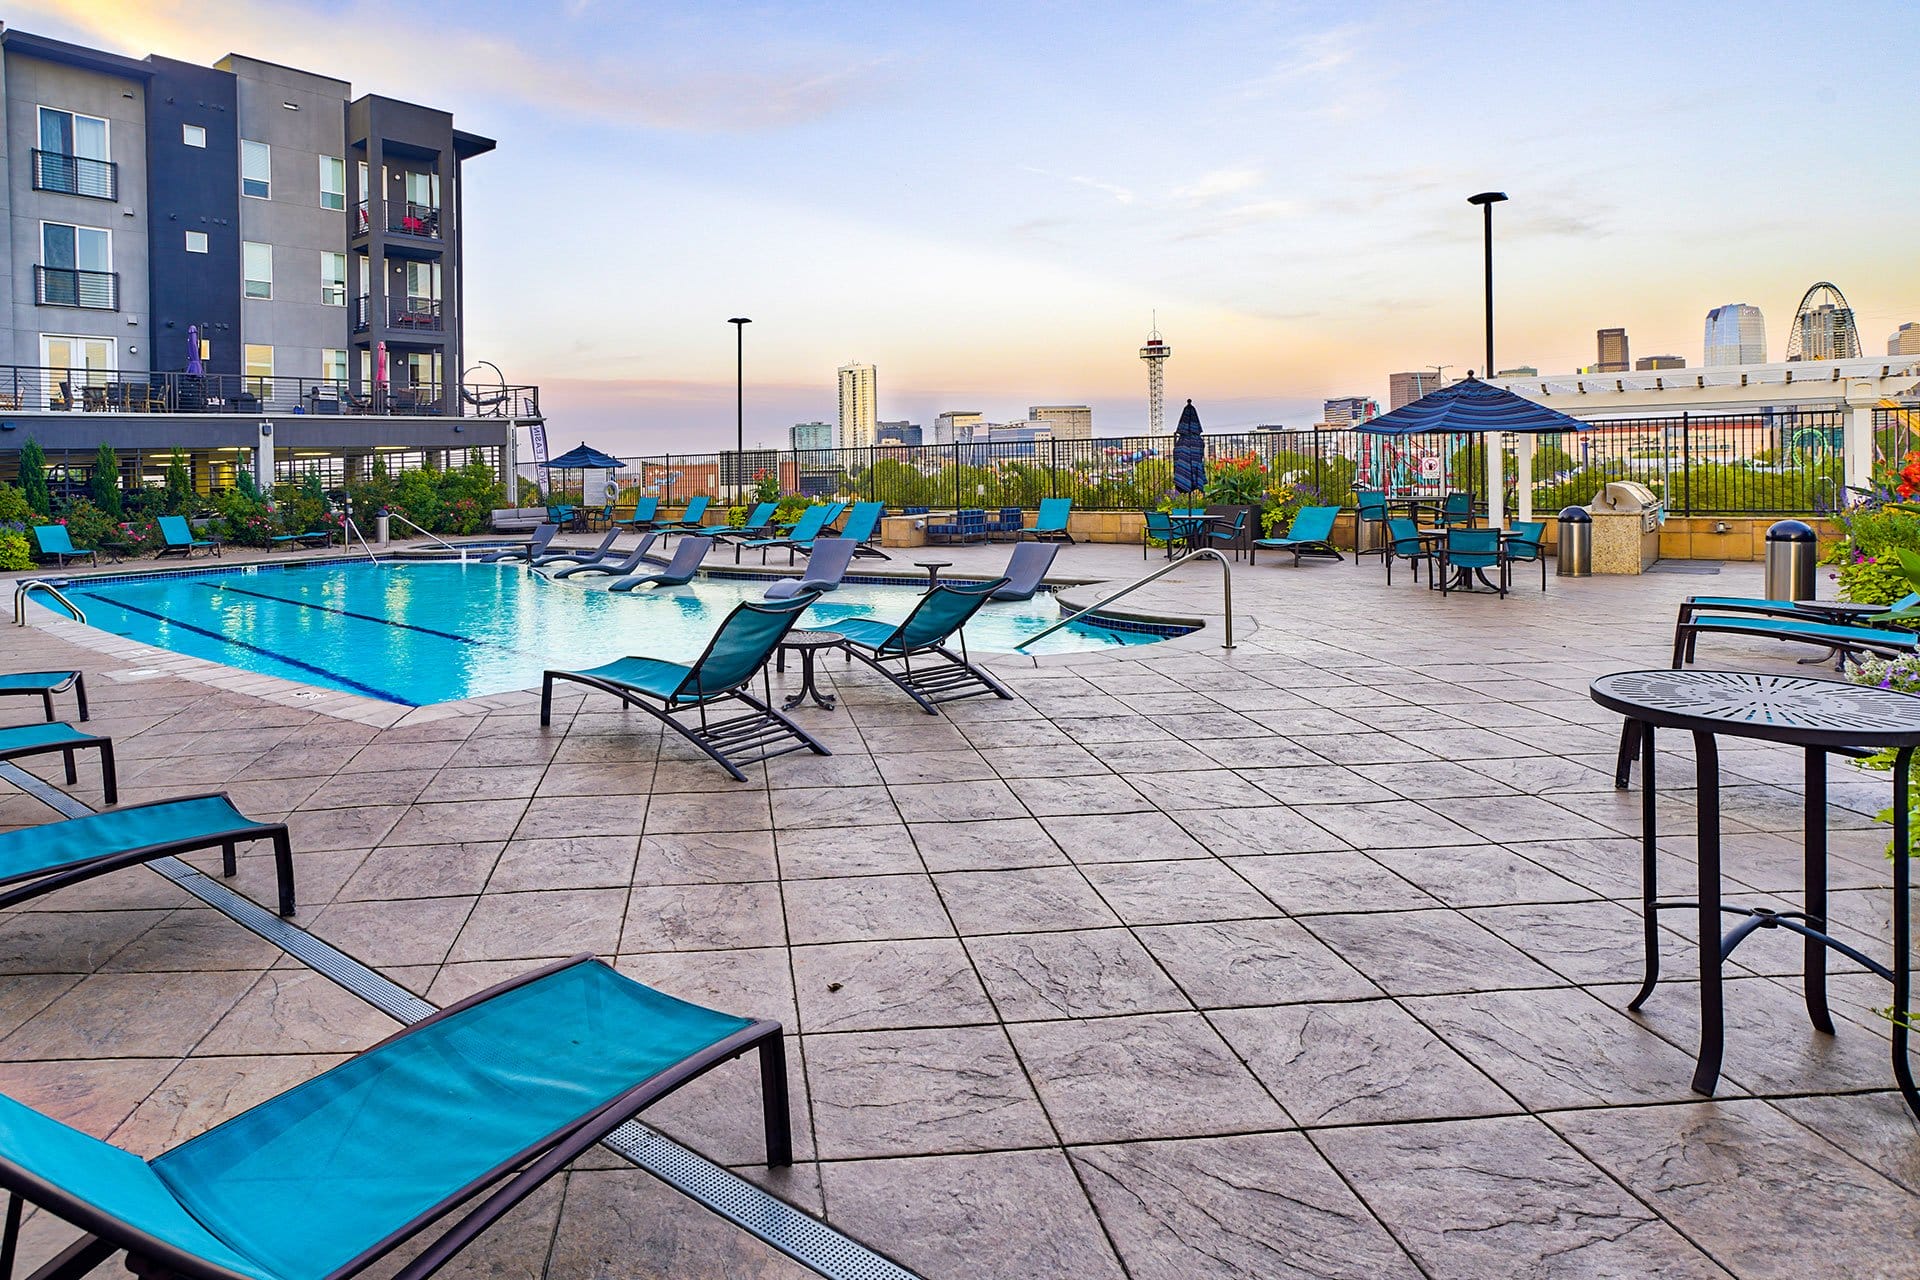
pixel 26 389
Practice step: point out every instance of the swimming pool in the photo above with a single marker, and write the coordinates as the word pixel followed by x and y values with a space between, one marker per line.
pixel 437 632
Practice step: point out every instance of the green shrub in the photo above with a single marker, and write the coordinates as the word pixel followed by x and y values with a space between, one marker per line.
pixel 243 519
pixel 33 477
pixel 104 482
pixel 179 495
pixel 15 551
pixel 14 508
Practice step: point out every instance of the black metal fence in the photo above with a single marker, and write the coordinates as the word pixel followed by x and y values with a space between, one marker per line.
pixel 24 389
pixel 1773 462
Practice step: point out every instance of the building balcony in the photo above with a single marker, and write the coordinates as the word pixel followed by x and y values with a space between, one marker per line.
pixel 25 389
pixel 67 287
pixel 362 313
pixel 416 221
pixel 415 314
pixel 75 175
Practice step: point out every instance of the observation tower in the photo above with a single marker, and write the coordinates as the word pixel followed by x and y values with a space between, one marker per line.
pixel 1155 353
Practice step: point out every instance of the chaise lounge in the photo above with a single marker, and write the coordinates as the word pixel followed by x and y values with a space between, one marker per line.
pixel 43 685
pixel 943 675
pixel 1026 569
pixel 426 1139
pixel 57 544
pixel 634 560
pixel 599 553
pixel 536 545
pixel 826 566
pixel 1310 534
pixel 1051 522
pixel 679 571
pixel 25 740
pixel 178 535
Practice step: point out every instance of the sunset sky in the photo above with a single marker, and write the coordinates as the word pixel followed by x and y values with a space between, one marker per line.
pixel 988 201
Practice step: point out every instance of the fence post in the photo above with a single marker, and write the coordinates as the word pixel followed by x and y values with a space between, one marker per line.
pixel 666 480
pixel 1686 459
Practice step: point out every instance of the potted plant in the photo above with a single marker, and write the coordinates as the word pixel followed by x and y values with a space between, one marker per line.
pixel 1236 488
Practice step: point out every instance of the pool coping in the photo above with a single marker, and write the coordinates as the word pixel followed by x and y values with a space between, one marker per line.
pixel 147 658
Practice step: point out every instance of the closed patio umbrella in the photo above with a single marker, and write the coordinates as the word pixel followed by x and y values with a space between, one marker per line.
pixel 1189 452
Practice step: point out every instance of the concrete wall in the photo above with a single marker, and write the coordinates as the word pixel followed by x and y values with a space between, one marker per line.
pixel 30 83
pixel 295 322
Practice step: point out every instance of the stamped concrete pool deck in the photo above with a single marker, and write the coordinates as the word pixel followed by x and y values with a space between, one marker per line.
pixel 1308 958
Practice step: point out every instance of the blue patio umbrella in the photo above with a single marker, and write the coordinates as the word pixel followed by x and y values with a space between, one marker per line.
pixel 1189 452
pixel 1469 407
pixel 584 457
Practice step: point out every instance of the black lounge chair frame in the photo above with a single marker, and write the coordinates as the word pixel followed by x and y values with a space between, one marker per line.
pixel 1691 625
pixel 760 730
pixel 76 681
pixel 950 679
pixel 38 883
pixel 520 1175
pixel 109 778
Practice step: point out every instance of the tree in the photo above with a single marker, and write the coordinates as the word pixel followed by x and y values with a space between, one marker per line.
pixel 105 481
pixel 179 485
pixel 33 477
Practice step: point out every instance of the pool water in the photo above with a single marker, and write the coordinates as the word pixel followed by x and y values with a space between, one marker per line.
pixel 437 632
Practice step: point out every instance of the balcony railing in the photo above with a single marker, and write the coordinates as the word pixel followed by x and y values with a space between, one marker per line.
pixel 360 219
pixel 75 175
pixel 26 389
pixel 412 219
pixel 414 313
pixel 67 287
pixel 362 313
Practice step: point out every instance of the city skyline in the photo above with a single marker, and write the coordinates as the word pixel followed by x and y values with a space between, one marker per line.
pixel 1292 253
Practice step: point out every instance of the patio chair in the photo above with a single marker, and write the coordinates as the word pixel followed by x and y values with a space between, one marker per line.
pixel 1404 543
pixel 1370 508
pixel 620 569
pixel 1456 511
pixel 1229 536
pixel 600 552
pixel 1818 610
pixel 1026 569
pixel 43 685
pixel 761 517
pixel 37 860
pixel 811 524
pixel 1887 642
pixel 542 536
pixel 1009 521
pixel 45 739
pixel 943 675
pixel 860 528
pixel 969 525
pixel 56 542
pixel 826 565
pixel 643 513
pixel 1051 522
pixel 1522 546
pixel 415 1146
pixel 312 537
pixel 1308 535
pixel 690 518
pixel 178 535
pixel 723 672
pixel 1162 528
pixel 1471 551
pixel 679 571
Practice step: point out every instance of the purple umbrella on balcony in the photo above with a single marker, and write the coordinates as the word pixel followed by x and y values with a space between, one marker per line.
pixel 194 368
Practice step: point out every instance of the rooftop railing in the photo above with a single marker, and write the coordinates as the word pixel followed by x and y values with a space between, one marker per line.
pixel 26 389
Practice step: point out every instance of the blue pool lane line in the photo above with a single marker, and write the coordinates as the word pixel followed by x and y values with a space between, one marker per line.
pixel 349 682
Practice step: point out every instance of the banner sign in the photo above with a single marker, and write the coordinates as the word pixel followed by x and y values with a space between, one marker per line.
pixel 538 434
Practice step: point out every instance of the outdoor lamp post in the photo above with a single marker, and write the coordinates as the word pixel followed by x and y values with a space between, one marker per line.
pixel 739 324
pixel 1496 449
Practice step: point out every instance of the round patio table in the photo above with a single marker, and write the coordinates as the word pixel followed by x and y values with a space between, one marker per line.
pixel 1818 716
pixel 807 644
pixel 933 568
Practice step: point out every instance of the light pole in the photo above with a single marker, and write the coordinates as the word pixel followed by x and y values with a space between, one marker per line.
pixel 1496 448
pixel 739 324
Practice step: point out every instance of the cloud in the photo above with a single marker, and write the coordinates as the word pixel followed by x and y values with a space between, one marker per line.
pixel 475 62
pixel 1120 194
pixel 1217 184
pixel 1314 55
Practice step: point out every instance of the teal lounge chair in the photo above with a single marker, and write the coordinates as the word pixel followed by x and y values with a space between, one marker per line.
pixel 1051 522
pixel 179 538
pixel 1310 534
pixel 45 739
pixel 690 518
pixel 643 512
pixel 760 518
pixel 311 538
pixel 43 685
pixel 620 569
pixel 679 571
pixel 413 1147
pixel 943 675
pixel 723 672
pixel 56 543
pixel 1818 610
pixel 1887 642
pixel 862 523
pixel 811 524
pixel 37 860
pixel 599 553
pixel 826 564
pixel 542 538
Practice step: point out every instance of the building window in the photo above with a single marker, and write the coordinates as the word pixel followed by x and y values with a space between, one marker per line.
pixel 333 182
pixel 193 135
pixel 87 360
pixel 257 260
pixel 72 156
pixel 333 279
pixel 259 369
pixel 196 242
pixel 256 170
pixel 333 364
pixel 76 268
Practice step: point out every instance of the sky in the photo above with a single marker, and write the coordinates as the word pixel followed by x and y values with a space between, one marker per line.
pixel 991 202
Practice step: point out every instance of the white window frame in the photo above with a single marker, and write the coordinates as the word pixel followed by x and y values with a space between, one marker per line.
pixel 268 148
pixel 247 280
pixel 103 375
pixel 328 368
pixel 77 228
pixel 326 172
pixel 106 130
pixel 339 298
pixel 187 132
pixel 261 384
pixel 203 242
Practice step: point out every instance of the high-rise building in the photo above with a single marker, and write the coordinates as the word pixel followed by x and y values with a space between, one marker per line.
pixel 1905 341
pixel 1823 327
pixel 1346 410
pixel 1613 357
pixel 1736 334
pixel 297 228
pixel 1405 388
pixel 1519 371
pixel 1645 363
pixel 1156 352
pixel 859 405
pixel 956 426
pixel 902 432
pixel 810 435
pixel 1069 421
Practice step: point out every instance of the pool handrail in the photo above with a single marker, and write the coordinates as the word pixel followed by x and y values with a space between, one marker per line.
pixel 23 588
pixel 1205 553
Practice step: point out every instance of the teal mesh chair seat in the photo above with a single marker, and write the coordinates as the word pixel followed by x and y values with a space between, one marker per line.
pixel 812 522
pixel 55 541
pixel 942 675
pixel 738 651
pixel 330 1176
pixel 695 512
pixel 1888 642
pixel 178 537
pixel 1404 543
pixel 45 739
pixel 43 685
pixel 1310 534
pixel 644 510
pixel 1522 545
pixel 863 522
pixel 1051 522
pixel 44 858
pixel 1469 551
pixel 1456 511
pixel 1823 610
pixel 759 518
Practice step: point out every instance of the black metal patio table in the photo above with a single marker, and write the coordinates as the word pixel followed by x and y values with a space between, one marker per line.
pixel 1819 716
pixel 807 644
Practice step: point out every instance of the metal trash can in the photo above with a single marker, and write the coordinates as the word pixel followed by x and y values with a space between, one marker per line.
pixel 1792 548
pixel 382 528
pixel 1368 537
pixel 1575 556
